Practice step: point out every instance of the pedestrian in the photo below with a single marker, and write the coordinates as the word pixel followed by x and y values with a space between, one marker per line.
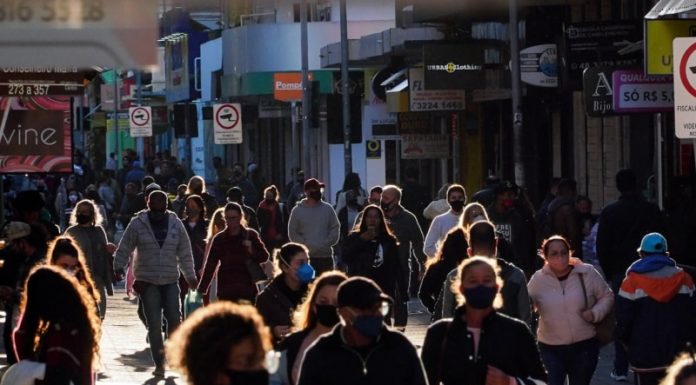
pixel 222 178
pixel 86 229
pixel 178 202
pixel 316 316
pixel 215 225
pixel 314 224
pixel 58 327
pixel 295 192
pixel 570 296
pixel 479 345
pixel 655 310
pixel 439 205
pixel 196 228
pixel 28 206
pixel 371 251
pixel 196 186
pixel 272 218
pixel 682 371
pixel 351 183
pixel 222 344
pixel 375 195
pixel 164 249
pixel 236 195
pixel 362 349
pixel 65 253
pixel 563 218
pixel 129 204
pixel 414 196
pixel 239 179
pixel 443 223
pixel 486 196
pixel 622 224
pixel 404 225
pixel 277 302
pixel 233 253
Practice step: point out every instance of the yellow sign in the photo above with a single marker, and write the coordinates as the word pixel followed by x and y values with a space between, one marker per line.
pixel 659 34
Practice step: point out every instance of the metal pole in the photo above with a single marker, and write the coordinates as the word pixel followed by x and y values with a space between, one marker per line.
pixel 658 155
pixel 517 118
pixel 306 102
pixel 347 151
pixel 117 104
pixel 140 142
pixel 296 161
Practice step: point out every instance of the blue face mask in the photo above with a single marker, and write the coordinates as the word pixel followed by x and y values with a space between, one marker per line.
pixel 480 297
pixel 305 273
pixel 369 326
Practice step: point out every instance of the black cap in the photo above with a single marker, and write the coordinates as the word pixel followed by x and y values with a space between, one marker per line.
pixel 361 293
pixel 505 186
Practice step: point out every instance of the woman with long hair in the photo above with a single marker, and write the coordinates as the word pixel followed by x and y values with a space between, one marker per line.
pixel 59 327
pixel 233 252
pixel 196 186
pixel 272 216
pixel 479 345
pixel 87 230
pixel 570 296
pixel 196 227
pixel 215 225
pixel 65 253
pixel 372 251
pixel 316 316
pixel 222 344
pixel 278 300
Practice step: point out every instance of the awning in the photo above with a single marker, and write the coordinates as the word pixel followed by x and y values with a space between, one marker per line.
pixel 670 7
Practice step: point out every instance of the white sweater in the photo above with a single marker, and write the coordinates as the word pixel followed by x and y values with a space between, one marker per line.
pixel 439 228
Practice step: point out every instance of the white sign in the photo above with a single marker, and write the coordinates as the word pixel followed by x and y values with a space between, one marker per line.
pixel 140 121
pixel 79 33
pixel 227 123
pixel 685 87
pixel 538 65
pixel 421 99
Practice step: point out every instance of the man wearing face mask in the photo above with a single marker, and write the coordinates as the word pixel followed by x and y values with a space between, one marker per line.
pixel 443 223
pixel 314 224
pixel 163 249
pixel 362 349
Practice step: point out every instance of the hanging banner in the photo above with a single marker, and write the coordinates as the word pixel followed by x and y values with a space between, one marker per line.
pixel 227 123
pixel 636 92
pixel 433 146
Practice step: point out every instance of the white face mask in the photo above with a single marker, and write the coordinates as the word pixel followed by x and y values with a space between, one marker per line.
pixel 478 218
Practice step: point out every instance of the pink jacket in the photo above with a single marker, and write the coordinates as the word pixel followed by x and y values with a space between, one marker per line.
pixel 560 304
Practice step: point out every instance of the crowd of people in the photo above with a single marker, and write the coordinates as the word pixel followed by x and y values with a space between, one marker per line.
pixel 300 291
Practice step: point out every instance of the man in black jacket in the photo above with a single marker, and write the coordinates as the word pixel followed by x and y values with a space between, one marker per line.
pixel 622 225
pixel 362 350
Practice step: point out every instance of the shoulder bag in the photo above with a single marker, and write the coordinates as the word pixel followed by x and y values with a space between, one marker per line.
pixel 604 327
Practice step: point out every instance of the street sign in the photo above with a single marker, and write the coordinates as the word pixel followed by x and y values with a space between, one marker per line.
pixel 685 87
pixel 227 123
pixel 41 82
pixel 538 65
pixel 140 121
pixel 79 33
pixel 636 92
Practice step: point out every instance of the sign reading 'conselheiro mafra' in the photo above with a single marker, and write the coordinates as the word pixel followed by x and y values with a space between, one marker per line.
pixel 685 87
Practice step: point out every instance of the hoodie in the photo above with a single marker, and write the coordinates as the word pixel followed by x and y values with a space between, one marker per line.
pixel 655 311
pixel 316 227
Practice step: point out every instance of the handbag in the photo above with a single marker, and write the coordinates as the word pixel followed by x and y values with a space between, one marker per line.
pixel 192 301
pixel 255 271
pixel 604 327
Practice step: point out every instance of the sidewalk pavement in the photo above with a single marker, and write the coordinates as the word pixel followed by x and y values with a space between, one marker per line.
pixel 125 355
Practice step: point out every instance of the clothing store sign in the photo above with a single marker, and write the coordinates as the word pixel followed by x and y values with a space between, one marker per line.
pixel 636 92
pixel 453 66
pixel 685 87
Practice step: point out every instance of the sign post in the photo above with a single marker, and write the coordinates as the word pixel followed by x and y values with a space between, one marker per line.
pixel 227 123
pixel 140 121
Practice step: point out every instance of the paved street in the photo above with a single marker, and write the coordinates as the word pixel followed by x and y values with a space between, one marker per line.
pixel 126 356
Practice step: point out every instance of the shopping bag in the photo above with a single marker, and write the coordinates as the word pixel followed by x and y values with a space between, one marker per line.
pixel 192 301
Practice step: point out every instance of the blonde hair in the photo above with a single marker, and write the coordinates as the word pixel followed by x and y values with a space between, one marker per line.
pixel 212 227
pixel 97 219
pixel 466 266
pixel 194 182
pixel 465 221
pixel 683 368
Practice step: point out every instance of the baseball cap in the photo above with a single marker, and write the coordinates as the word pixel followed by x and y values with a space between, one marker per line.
pixel 15 230
pixel 653 243
pixel 313 184
pixel 361 293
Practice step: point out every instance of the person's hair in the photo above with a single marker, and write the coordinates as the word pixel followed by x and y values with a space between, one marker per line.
pixel 146 181
pixel 305 318
pixel 272 188
pixel 683 368
pixel 286 253
pixel 456 188
pixel 66 245
pixel 546 243
pixel 196 185
pixel 465 220
pixel 97 219
pixel 200 347
pixel 212 227
pixel 383 228
pixel 626 181
pixel 199 202
pixel 52 296
pixel 376 189
pixel 466 266
pixel 442 192
pixel 482 235
pixel 132 185
pixel 238 208
pixel 583 198
pixel 235 194
pixel 395 189
pixel 159 193
pixel 351 182
pixel 567 187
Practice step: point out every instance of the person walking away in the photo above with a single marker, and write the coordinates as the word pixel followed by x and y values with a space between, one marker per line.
pixel 272 218
pixel 563 218
pixel 196 228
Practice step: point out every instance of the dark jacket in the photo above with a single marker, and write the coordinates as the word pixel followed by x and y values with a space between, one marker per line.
pixel 451 253
pixel 392 360
pixel 655 311
pixel 563 219
pixel 512 227
pixel 291 346
pixel 277 302
pixel 197 235
pixel 506 344
pixel 264 215
pixel 361 259
pixel 622 225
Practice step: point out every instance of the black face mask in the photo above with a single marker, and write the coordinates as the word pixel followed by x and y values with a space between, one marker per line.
pixel 83 219
pixel 457 205
pixel 327 315
pixel 248 377
pixel 316 195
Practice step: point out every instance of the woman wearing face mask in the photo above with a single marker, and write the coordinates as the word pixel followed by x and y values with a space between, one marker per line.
pixel 66 254
pixel 316 316
pixel 86 229
pixel 480 345
pixel 566 332
pixel 272 216
pixel 371 250
pixel 68 201
pixel 280 298
pixel 196 227
pixel 222 344
pixel 229 252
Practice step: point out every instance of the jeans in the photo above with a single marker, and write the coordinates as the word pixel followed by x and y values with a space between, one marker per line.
pixel 158 299
pixel 101 289
pixel 620 354
pixel 576 361
pixel 402 296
